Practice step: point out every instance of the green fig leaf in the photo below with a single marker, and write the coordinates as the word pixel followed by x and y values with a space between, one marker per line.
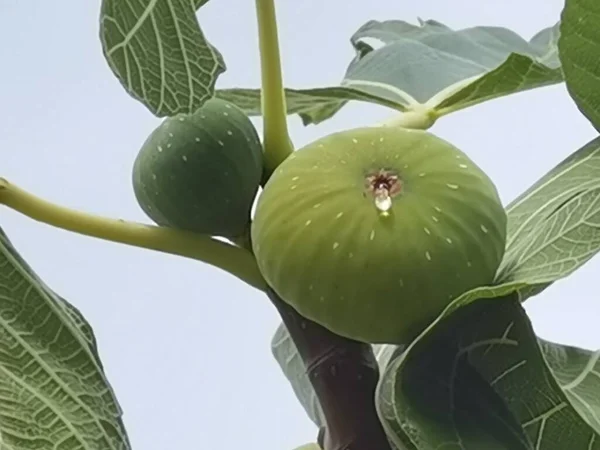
pixel 444 390
pixel 405 66
pixel 578 372
pixel 554 227
pixel 159 53
pixel 578 49
pixel 55 393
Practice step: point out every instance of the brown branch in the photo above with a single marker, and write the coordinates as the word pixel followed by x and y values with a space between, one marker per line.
pixel 344 374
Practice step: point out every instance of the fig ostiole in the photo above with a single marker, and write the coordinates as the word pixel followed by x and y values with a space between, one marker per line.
pixel 371 232
pixel 201 172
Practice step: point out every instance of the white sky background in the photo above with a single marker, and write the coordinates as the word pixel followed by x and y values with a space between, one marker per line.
pixel 186 347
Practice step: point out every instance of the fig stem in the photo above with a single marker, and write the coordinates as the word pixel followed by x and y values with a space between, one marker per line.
pixel 235 260
pixel 276 139
pixel 344 374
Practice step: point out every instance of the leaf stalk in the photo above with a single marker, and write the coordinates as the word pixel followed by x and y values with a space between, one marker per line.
pixel 418 118
pixel 276 140
pixel 230 258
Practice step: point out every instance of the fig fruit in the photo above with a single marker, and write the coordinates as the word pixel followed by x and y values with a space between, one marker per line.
pixel 371 232
pixel 200 172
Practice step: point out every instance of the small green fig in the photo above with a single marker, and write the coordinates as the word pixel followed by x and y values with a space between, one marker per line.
pixel 371 232
pixel 201 172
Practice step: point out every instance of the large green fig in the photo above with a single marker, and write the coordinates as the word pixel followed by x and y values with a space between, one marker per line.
pixel 200 172
pixel 371 232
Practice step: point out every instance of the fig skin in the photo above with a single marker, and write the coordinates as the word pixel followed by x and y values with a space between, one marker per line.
pixel 329 252
pixel 201 172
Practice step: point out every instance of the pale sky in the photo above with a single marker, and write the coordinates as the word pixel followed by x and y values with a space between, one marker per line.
pixel 185 346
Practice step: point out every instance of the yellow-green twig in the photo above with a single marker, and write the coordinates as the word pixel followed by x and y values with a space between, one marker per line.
pixel 235 260
pixel 276 138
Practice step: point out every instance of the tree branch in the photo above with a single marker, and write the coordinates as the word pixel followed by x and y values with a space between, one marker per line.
pixel 344 374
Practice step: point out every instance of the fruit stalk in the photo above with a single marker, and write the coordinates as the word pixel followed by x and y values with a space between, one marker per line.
pixel 344 374
pixel 276 139
pixel 237 261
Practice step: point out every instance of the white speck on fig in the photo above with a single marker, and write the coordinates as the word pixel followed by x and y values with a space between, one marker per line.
pixel 342 161
pixel 294 186
pixel 184 157
pixel 170 134
pixel 462 166
pixel 448 240
pixel 229 133
pixel 355 140
pixel 452 186
pixel 295 178
pixel 160 149
pixel 435 219
pixel 202 116
pixel 169 145
pixel 227 106
pixel 428 256
pixel 225 113
pixel 469 264
pixel 336 245
pixel 316 205
pixel 340 214
pixel 427 230
pixel 154 176
pixel 422 174
pixel 221 143
pixel 381 139
pixel 307 223
pixel 484 228
pixel 182 119
pixel 437 208
pixel 197 139
pixel 372 235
